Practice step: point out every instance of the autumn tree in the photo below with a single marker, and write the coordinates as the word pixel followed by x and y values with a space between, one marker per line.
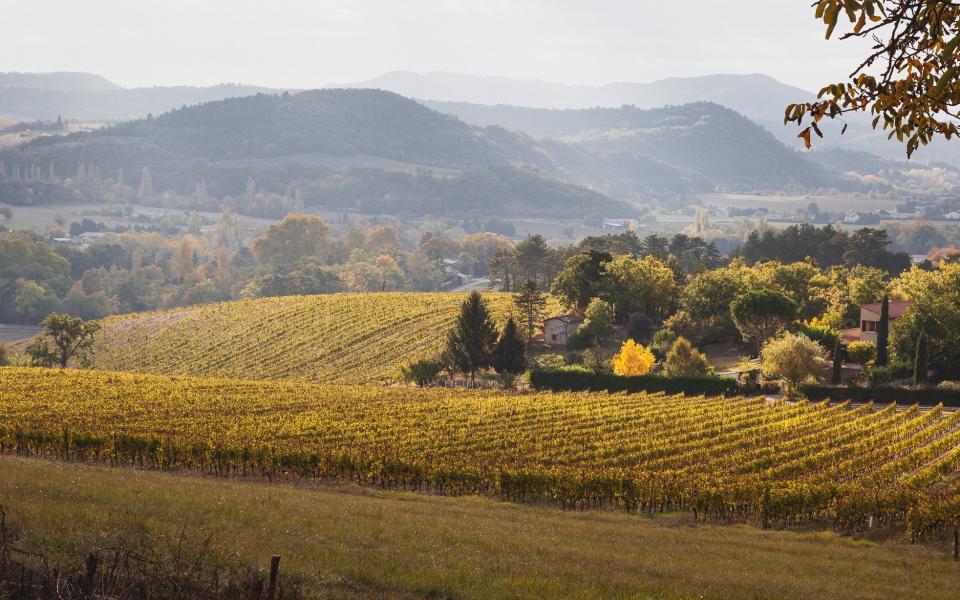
pixel 632 360
pixel 532 305
pixel 908 82
pixel 761 314
pixel 294 238
pixel 794 358
pixel 71 337
pixel 684 359
pixel 470 343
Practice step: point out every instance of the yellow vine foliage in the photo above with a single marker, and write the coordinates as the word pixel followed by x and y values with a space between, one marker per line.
pixel 718 457
pixel 335 338
pixel 633 359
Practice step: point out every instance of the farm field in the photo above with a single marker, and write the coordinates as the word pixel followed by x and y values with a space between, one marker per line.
pixel 730 460
pixel 335 338
pixel 349 542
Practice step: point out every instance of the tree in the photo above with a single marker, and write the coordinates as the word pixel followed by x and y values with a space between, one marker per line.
pixel 793 357
pixel 883 332
pixel 684 359
pixel 470 343
pixel 4 355
pixel 71 337
pixel 509 358
pixel 643 285
pixel 531 257
pixel 836 376
pixel 422 372
pixel 868 247
pixel 632 360
pixel 296 237
pixel 909 80
pixel 532 305
pixel 920 362
pixel 596 328
pixel 580 280
pixel 761 314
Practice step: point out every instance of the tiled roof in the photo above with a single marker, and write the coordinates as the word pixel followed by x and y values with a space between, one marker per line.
pixel 897 308
pixel 570 318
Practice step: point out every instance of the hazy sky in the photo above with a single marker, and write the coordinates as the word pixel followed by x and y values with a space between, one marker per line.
pixel 307 43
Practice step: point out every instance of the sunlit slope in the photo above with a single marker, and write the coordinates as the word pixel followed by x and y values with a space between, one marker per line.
pixel 338 338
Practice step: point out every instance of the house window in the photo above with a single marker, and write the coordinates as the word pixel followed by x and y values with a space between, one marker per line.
pixel 869 326
pixel 554 336
pixel 863 325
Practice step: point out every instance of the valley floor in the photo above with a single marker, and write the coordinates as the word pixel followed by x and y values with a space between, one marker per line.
pixel 352 542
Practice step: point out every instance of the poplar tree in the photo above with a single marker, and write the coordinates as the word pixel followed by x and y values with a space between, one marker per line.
pixel 883 333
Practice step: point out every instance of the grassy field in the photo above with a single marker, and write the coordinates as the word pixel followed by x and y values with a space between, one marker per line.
pixel 347 541
pixel 720 459
pixel 336 338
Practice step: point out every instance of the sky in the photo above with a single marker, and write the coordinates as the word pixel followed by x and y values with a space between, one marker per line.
pixel 309 43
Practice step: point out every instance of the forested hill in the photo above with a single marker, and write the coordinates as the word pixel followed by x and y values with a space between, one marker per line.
pixel 337 122
pixel 364 150
pixel 713 146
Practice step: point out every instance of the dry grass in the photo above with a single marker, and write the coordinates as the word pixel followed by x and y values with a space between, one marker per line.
pixel 358 542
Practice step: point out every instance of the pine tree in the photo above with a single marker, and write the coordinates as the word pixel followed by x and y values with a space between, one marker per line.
pixel 883 333
pixel 837 377
pixel 532 305
pixel 471 341
pixel 921 360
pixel 509 358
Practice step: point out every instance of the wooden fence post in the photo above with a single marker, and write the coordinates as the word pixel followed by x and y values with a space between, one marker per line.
pixel 956 544
pixel 274 573
pixel 89 578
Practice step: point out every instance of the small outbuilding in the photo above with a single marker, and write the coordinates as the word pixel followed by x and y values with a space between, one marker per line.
pixel 557 330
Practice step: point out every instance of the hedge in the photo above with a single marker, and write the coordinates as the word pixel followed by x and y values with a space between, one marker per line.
pixel 556 380
pixel 925 396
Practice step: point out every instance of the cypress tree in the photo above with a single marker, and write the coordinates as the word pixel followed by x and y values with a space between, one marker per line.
pixel 883 333
pixel 471 341
pixel 837 377
pixel 921 360
pixel 509 359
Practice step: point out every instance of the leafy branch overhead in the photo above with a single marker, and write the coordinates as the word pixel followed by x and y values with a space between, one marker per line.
pixel 909 82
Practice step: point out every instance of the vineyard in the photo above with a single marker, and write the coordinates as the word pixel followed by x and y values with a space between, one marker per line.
pixel 724 459
pixel 337 338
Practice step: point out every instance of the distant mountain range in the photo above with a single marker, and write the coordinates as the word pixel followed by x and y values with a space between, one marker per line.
pixel 377 151
pixel 340 146
pixel 761 98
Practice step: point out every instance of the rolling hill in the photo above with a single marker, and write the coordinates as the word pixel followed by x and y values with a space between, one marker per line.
pixel 704 144
pixel 338 338
pixel 512 161
pixel 285 143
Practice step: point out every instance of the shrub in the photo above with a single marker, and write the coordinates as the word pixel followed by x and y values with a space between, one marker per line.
pixel 559 380
pixel 549 361
pixel 793 357
pixel 926 396
pixel 4 355
pixel 892 371
pixel 633 359
pixel 684 359
pixel 422 372
pixel 826 336
pixel 861 352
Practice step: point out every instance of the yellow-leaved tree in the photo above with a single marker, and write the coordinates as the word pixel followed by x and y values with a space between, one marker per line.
pixel 633 359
